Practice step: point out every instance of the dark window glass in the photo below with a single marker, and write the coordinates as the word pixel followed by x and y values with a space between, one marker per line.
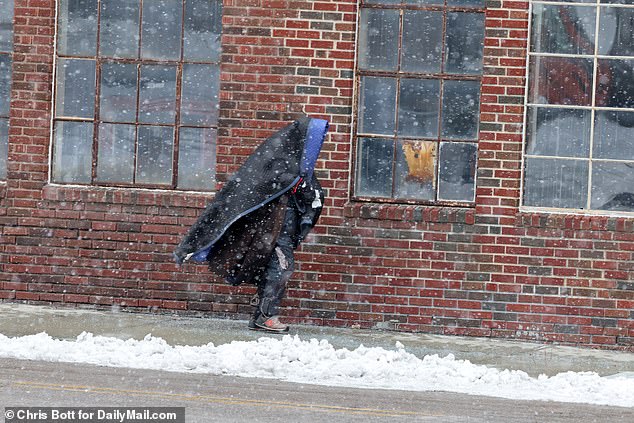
pixel 612 187
pixel 552 26
pixel 377 102
pixel 154 158
pixel 557 183
pixel 374 161
pixel 115 159
pixel 118 92
pixel 422 41
pixel 464 41
pixel 561 80
pixel 5 83
pixel 75 94
pixel 418 108
pixel 119 29
pixel 157 94
pixel 465 3
pixel 456 167
pixel 72 155
pixel 615 83
pixel 614 136
pixel 6 48
pixel 161 29
pixel 558 132
pixel 6 26
pixel 196 156
pixel 460 109
pixel 378 39
pixel 200 95
pixel 78 28
pixel 4 146
pixel 203 24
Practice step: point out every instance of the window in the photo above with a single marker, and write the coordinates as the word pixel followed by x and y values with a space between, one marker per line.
pixel 136 96
pixel 6 48
pixel 579 151
pixel 419 68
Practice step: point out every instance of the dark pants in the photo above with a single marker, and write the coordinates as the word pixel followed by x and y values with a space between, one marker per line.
pixel 279 269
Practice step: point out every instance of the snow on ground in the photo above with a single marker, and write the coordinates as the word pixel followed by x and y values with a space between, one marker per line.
pixel 317 362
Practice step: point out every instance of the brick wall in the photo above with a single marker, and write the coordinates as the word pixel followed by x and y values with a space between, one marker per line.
pixel 492 270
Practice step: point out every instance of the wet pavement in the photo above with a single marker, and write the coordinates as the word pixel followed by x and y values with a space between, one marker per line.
pixel 533 358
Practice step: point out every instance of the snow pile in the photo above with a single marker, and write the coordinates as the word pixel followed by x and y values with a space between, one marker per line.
pixel 318 362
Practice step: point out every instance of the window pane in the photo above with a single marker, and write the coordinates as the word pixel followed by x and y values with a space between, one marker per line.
pixel 556 183
pixel 157 99
pixel 374 167
pixel 415 2
pixel 4 146
pixel 457 171
pixel 419 107
pixel 616 31
pixel 560 80
pixel 115 158
pixel 199 102
pixel 5 84
pixel 154 156
pixel 615 83
pixel 197 159
pixel 377 103
pixel 118 92
pixel 119 33
pixel 464 42
pixel 203 25
pixel 77 27
pixel 75 96
pixel 416 170
pixel 161 29
pixel 474 3
pixel 613 186
pixel 422 41
pixel 6 25
pixel 460 109
pixel 72 160
pixel 614 136
pixel 558 132
pixel 563 29
pixel 378 39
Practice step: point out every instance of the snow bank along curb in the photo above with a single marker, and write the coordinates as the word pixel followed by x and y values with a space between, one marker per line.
pixel 317 362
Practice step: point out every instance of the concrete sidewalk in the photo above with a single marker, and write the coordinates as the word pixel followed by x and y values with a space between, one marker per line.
pixel 533 358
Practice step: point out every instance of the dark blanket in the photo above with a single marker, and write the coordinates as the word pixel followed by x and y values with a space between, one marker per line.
pixel 237 231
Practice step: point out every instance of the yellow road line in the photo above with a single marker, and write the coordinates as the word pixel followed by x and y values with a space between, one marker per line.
pixel 224 400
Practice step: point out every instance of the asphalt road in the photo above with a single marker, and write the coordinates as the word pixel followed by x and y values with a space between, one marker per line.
pixel 232 399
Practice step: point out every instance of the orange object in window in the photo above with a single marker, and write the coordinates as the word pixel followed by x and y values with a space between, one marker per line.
pixel 420 161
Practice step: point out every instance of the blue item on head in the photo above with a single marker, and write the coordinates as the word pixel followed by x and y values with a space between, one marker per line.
pixel 315 135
